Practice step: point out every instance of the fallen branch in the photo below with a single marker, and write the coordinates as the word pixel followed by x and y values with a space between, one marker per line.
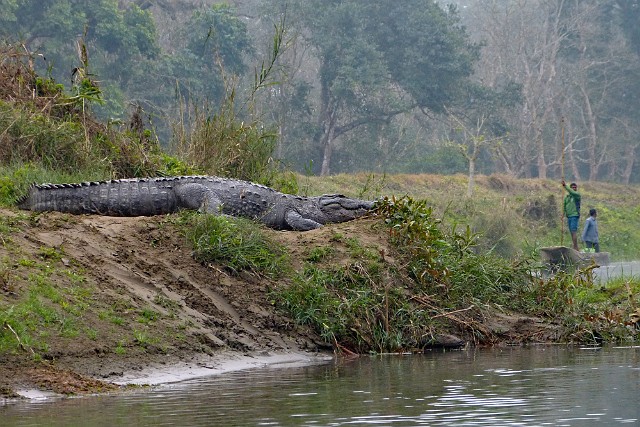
pixel 341 350
pixel 22 346
pixel 469 324
pixel 449 313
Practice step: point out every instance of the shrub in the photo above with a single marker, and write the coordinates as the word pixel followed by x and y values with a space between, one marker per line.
pixel 238 244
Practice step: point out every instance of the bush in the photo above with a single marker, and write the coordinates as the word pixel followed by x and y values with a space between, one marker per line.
pixel 238 244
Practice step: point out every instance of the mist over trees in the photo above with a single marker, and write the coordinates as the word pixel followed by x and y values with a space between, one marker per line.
pixel 529 88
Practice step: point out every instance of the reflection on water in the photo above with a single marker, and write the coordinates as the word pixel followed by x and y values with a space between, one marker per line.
pixel 539 386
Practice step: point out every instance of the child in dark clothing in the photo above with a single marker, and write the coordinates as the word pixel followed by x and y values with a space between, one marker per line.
pixel 590 232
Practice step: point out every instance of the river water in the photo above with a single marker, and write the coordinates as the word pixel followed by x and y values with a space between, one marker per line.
pixel 614 270
pixel 535 386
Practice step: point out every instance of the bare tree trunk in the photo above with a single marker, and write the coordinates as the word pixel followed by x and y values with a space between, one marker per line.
pixel 506 163
pixel 542 164
pixel 472 173
pixel 573 164
pixel 328 136
pixel 592 136
pixel 630 157
pixel 327 122
pixel 327 143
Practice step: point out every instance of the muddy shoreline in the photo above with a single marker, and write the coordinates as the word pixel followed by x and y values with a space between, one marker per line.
pixel 204 366
pixel 200 366
pixel 143 310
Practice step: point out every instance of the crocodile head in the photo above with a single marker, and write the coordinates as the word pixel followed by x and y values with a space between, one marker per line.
pixel 338 208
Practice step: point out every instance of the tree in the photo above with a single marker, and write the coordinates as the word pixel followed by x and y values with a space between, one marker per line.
pixel 523 41
pixel 215 41
pixel 114 39
pixel 375 63
pixel 470 142
pixel 219 38
pixel 598 69
pixel 573 62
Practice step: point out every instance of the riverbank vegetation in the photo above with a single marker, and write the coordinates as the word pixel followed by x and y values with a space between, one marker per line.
pixel 438 282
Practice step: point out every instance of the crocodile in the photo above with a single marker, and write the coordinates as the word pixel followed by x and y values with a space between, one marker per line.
pixel 210 194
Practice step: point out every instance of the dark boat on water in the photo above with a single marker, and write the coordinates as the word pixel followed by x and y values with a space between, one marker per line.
pixel 562 256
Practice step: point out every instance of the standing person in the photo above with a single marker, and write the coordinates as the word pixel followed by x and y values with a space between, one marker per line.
pixel 572 211
pixel 590 232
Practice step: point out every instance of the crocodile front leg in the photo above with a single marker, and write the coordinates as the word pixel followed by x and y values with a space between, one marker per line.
pixel 300 223
pixel 196 196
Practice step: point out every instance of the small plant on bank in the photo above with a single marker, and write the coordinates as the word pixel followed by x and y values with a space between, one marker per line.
pixel 318 254
pixel 148 315
pixel 92 334
pixel 166 302
pixel 141 338
pixel 236 244
pixel 445 262
pixel 120 349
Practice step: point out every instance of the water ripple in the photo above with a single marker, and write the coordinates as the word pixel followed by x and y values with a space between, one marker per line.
pixel 520 387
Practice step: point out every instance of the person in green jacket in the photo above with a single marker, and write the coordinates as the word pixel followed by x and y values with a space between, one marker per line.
pixel 571 210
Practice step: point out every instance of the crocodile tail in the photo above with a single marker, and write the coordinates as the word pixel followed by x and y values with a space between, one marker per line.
pixel 24 201
pixel 126 197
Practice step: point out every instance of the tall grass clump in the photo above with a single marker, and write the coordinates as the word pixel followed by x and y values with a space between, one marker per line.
pixel 360 307
pixel 610 313
pixel 236 243
pixel 48 127
pixel 223 144
pixel 232 140
pixel 445 262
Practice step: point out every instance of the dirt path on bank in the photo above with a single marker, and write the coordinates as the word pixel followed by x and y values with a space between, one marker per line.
pixel 141 309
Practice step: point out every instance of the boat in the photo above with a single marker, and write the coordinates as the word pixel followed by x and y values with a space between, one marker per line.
pixel 562 256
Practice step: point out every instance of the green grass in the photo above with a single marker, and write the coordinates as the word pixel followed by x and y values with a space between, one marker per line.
pixel 512 216
pixel 148 315
pixel 47 308
pixel 318 254
pixel 120 349
pixel 236 243
pixel 143 339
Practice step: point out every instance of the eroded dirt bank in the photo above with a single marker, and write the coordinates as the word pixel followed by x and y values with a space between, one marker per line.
pixel 138 300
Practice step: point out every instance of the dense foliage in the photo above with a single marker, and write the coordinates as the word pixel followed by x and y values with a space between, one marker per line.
pixel 375 64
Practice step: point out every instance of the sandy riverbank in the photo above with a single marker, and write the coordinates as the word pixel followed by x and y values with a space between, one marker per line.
pixel 203 366
pixel 200 366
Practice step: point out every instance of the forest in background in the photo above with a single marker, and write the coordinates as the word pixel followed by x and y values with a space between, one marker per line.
pixel 529 88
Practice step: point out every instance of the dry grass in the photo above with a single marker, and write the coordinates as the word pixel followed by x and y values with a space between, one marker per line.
pixel 516 214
